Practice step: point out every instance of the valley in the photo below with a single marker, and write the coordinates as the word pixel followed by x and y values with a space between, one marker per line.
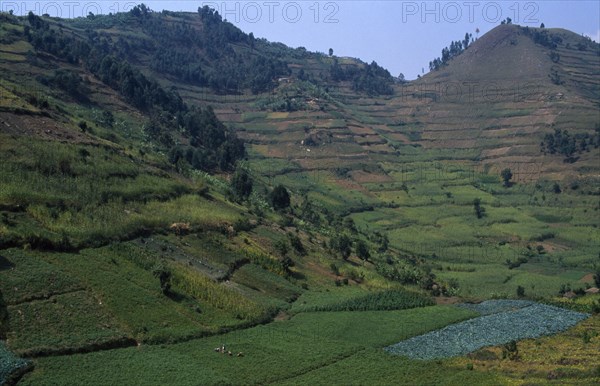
pixel 170 185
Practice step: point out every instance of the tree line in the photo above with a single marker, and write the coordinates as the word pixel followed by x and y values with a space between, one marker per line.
pixel 453 50
pixel 211 145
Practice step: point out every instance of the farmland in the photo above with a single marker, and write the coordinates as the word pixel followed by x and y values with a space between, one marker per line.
pixel 499 327
pixel 360 237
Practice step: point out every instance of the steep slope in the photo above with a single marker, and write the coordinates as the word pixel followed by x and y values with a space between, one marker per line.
pixel 509 89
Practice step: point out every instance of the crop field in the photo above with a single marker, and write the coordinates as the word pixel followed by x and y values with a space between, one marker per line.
pixel 496 327
pixel 285 349
pixel 9 363
pixel 69 320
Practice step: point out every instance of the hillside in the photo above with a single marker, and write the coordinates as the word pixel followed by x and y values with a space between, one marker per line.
pixel 170 185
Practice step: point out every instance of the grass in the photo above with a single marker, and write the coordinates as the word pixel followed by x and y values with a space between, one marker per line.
pixel 91 195
pixel 27 276
pixel 66 321
pixel 283 350
pixel 566 358
pixel 359 369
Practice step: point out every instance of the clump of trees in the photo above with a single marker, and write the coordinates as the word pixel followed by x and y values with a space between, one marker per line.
pixel 542 37
pixel 453 50
pixel 341 243
pixel 212 145
pixel 223 69
pixel 562 142
pixel 372 79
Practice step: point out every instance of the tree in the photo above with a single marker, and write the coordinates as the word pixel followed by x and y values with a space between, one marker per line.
pixel 241 183
pixel 520 291
pixel 506 176
pixel 479 210
pixel 597 277
pixel 467 40
pixel 542 25
pixel 556 188
pixel 401 78
pixel 342 244
pixel 331 52
pixel 362 250
pixel 280 198
pixel 164 276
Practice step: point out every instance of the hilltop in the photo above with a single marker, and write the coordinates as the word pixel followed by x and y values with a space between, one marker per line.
pixel 170 184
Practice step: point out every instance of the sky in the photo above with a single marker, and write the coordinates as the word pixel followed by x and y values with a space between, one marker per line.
pixel 402 36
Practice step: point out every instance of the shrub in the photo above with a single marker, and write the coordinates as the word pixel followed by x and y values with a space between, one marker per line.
pixel 280 198
pixel 297 244
pixel 510 350
pixel 479 210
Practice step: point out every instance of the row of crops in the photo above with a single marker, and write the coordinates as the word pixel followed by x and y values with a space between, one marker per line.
pixel 393 299
pixel 502 322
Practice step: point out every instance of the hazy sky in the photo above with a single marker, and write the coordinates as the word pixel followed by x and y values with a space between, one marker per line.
pixel 402 36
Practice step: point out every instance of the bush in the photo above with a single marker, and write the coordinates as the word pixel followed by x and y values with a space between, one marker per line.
pixel 243 225
pixel 510 351
pixel 297 244
pixel 280 198
pixel 479 210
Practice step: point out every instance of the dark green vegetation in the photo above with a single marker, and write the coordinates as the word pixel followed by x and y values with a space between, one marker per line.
pixel 169 184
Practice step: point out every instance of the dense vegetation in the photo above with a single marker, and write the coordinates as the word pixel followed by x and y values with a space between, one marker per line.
pixel 568 145
pixel 379 301
pixel 372 79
